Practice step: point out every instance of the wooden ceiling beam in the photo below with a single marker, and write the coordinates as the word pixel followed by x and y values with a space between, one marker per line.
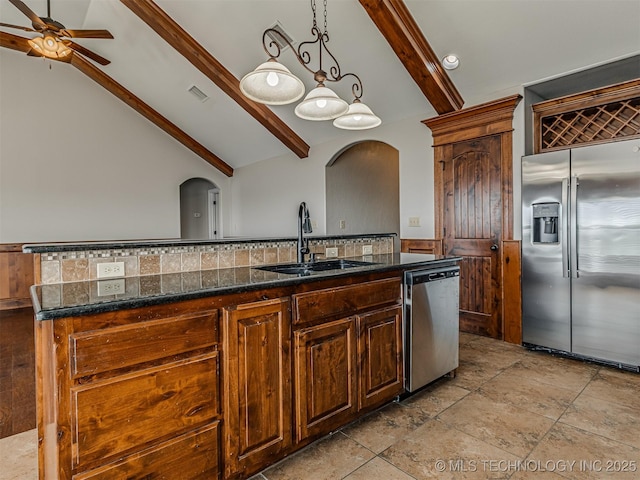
pixel 189 48
pixel 396 24
pixel 15 42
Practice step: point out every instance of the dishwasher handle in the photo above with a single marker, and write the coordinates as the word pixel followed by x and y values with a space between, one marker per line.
pixel 414 277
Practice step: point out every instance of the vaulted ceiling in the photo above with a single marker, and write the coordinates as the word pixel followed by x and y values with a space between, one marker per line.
pixel 163 48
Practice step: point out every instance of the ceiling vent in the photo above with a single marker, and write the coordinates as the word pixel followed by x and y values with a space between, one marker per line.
pixel 277 39
pixel 199 94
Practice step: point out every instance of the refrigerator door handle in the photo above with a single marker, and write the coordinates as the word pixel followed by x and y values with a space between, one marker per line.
pixel 573 227
pixel 564 233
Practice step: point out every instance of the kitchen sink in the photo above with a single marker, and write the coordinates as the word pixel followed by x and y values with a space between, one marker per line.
pixel 310 267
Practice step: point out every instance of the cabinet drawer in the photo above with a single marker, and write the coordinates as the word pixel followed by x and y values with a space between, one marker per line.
pixel 191 456
pixel 114 417
pixel 103 350
pixel 345 301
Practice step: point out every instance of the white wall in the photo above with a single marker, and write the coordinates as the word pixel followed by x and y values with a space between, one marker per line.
pixel 266 194
pixel 78 164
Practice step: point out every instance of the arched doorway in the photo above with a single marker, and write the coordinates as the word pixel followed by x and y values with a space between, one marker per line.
pixel 200 210
pixel 363 190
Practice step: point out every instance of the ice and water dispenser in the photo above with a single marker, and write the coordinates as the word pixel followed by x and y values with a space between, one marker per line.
pixel 546 218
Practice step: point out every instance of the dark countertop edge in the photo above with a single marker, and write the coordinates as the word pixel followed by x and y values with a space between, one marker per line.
pixel 114 305
pixel 115 245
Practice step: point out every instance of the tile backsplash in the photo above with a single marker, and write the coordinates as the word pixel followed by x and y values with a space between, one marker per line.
pixel 81 265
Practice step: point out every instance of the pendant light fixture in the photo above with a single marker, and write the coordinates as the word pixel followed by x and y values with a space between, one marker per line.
pixel 271 83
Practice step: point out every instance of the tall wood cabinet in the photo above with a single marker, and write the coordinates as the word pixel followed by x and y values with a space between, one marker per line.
pixel 473 194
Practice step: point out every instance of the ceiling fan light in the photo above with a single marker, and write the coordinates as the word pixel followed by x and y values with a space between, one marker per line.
pixel 321 103
pixel 49 46
pixel 271 83
pixel 358 117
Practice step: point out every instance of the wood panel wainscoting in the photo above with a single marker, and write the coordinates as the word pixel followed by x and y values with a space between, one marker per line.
pixel 17 357
pixel 473 193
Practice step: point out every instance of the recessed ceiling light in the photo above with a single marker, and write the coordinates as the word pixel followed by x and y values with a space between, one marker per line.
pixel 450 62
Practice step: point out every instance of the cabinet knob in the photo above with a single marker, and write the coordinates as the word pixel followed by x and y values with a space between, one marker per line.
pixel 494 247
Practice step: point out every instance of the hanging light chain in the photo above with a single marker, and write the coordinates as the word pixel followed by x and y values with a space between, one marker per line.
pixel 325 19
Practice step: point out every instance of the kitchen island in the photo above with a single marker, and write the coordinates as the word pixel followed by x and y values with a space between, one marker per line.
pixel 213 373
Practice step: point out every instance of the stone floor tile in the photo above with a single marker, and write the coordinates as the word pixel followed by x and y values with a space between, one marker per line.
pixel 385 427
pixel 512 387
pixel 437 450
pixel 436 397
pixel 505 426
pixel 378 468
pixel 18 456
pixel 589 456
pixel 478 352
pixel 471 375
pixel 605 418
pixel 330 458
pixel 617 386
pixel 561 372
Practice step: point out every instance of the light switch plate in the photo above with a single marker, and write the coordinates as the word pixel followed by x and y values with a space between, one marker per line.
pixel 414 221
pixel 110 270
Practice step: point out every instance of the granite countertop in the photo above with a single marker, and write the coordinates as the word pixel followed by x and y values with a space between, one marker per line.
pixel 82 298
pixel 110 245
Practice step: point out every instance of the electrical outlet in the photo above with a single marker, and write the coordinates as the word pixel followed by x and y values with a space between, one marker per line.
pixel 111 269
pixel 343 224
pixel 367 249
pixel 331 252
pixel 414 221
pixel 110 287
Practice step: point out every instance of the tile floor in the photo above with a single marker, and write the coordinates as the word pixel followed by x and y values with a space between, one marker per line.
pixel 509 413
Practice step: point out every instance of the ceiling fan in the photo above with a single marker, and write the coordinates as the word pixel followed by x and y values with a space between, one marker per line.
pixel 52 43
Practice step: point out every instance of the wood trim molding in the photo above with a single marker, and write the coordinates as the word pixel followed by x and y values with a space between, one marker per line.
pixel 479 121
pixel 600 96
pixel 17 274
pixel 511 291
pixel 178 38
pixel 393 19
pixel 14 42
pixel 421 245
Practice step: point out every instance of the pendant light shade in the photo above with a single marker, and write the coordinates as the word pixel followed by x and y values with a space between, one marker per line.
pixel 358 117
pixel 271 83
pixel 321 103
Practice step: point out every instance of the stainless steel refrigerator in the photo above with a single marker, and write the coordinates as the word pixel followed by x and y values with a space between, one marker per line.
pixel 581 252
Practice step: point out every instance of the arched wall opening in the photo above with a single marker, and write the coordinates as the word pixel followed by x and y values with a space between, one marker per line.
pixel 200 216
pixel 363 190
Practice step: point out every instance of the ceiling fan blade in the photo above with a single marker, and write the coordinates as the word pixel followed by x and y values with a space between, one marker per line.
pixel 35 19
pixel 85 33
pixel 86 52
pixel 26 29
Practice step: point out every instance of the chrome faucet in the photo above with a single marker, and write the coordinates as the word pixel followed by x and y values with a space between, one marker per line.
pixel 304 226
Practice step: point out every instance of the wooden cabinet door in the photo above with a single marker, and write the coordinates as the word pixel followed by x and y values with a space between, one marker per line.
pixel 257 385
pixel 380 350
pixel 325 377
pixel 473 229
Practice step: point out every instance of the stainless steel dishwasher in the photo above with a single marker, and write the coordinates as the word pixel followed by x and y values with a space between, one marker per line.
pixel 431 326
